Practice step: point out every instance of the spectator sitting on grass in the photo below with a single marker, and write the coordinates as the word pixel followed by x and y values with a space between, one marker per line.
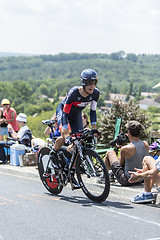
pixel 131 155
pixel 151 175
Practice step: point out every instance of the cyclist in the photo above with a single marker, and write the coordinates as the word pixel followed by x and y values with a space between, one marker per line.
pixel 69 112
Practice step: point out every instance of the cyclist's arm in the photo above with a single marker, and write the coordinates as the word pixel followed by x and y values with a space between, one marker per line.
pixel 67 108
pixel 93 116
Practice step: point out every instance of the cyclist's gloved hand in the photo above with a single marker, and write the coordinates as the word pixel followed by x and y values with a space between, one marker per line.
pixel 68 140
pixel 97 133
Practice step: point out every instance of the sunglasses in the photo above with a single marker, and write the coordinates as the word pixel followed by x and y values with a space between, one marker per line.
pixel 94 82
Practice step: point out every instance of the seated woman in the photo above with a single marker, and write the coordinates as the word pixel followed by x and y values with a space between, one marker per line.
pixel 24 135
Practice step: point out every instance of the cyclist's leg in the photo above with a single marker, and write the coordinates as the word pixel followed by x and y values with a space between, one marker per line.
pixel 58 143
pixel 76 124
pixel 60 140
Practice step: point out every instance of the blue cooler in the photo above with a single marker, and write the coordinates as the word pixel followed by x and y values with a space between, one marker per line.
pixel 15 151
pixel 7 150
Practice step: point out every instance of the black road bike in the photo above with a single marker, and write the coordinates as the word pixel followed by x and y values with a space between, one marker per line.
pixel 89 168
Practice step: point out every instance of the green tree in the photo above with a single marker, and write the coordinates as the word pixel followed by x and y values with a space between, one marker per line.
pixel 32 109
pixel 4 90
pixel 118 55
pixel 138 96
pixel 21 89
pixel 130 91
pixel 46 106
pixel 128 111
pixel 132 57
pixel 43 89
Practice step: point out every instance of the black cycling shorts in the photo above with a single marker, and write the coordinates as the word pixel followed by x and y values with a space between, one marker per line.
pixel 76 122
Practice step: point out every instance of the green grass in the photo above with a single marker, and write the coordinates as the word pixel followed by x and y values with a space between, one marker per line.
pixel 155 119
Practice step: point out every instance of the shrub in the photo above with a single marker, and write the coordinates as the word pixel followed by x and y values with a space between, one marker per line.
pixel 127 111
pixel 32 109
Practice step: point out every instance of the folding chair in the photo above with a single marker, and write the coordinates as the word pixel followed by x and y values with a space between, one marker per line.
pixel 102 151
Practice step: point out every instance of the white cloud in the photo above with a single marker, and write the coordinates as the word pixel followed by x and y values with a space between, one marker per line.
pixel 53 26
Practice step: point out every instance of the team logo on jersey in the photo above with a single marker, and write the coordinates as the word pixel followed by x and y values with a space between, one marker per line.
pixel 79 98
pixel 83 104
pixel 90 99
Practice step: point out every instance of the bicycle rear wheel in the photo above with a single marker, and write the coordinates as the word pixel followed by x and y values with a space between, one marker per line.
pixel 50 183
pixel 88 173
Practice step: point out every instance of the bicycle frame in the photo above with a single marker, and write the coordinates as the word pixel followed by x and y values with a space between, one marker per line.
pixel 79 150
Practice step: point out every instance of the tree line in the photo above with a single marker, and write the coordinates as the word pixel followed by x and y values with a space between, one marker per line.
pixel 23 79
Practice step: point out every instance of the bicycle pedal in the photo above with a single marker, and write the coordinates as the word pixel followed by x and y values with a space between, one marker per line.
pixel 75 187
pixel 74 184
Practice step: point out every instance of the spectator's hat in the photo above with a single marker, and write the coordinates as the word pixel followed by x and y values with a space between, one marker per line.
pixel 134 127
pixel 22 117
pixel 5 102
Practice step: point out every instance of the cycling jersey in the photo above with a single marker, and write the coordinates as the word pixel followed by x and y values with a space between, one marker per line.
pixel 69 110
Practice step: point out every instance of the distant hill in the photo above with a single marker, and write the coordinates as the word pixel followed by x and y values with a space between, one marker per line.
pixel 116 71
pixel 12 54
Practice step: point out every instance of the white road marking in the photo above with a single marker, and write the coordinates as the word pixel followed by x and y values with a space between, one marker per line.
pixel 154 238
pixel 127 215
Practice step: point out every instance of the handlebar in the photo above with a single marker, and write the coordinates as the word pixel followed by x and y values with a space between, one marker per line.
pixel 83 134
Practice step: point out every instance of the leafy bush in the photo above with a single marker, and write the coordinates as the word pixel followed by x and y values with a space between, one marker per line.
pixel 128 111
pixel 46 106
pixel 32 109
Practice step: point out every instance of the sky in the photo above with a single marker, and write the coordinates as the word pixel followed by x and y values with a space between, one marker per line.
pixel 84 26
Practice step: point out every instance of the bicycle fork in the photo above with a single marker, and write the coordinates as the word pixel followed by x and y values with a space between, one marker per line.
pixel 83 162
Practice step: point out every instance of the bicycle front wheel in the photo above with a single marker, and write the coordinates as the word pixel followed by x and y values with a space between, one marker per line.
pixel 89 172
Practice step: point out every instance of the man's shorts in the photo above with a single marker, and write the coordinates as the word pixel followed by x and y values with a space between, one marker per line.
pixel 118 171
pixel 4 131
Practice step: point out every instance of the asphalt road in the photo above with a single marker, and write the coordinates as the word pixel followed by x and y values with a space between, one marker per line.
pixel 28 211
